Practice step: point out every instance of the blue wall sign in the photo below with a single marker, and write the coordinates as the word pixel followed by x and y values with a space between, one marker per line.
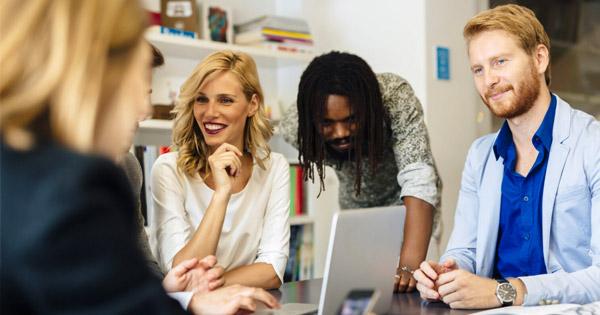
pixel 443 63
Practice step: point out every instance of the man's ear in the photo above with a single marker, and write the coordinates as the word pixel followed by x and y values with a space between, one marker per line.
pixel 253 105
pixel 542 58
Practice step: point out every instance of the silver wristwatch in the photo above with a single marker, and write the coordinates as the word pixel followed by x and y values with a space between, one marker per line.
pixel 505 292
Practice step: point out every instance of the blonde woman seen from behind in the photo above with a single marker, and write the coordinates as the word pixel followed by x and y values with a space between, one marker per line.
pixel 75 81
pixel 223 193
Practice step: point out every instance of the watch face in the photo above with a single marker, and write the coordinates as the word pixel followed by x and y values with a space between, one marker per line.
pixel 506 292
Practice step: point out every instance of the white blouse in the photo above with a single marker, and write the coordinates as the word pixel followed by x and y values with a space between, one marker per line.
pixel 256 226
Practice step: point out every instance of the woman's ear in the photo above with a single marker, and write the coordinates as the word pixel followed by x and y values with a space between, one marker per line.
pixel 253 105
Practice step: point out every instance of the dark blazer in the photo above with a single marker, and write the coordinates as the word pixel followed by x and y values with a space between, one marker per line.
pixel 68 238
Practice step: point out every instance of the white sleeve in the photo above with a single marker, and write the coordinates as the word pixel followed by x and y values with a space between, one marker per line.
pixel 171 222
pixel 274 244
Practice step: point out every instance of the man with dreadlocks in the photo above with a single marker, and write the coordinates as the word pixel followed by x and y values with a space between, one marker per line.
pixel 370 128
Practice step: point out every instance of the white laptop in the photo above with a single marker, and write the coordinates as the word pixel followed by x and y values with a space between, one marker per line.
pixel 363 254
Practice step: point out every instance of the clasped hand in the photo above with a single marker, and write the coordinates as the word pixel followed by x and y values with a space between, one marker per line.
pixel 205 279
pixel 456 287
pixel 193 275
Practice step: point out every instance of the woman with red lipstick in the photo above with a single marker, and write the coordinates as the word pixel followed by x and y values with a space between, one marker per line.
pixel 224 192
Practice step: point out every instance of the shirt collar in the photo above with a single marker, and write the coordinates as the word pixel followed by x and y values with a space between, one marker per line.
pixel 503 141
pixel 544 132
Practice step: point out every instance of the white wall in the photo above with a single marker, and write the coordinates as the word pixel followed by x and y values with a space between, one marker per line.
pixel 388 34
pixel 456 116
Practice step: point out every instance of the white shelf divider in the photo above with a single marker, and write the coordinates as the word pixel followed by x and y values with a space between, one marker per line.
pixel 301 220
pixel 197 49
pixel 154 132
pixel 156 124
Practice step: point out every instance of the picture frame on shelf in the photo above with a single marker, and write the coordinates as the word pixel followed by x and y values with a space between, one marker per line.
pixel 217 23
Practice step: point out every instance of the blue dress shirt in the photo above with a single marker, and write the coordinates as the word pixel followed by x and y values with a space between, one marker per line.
pixel 519 251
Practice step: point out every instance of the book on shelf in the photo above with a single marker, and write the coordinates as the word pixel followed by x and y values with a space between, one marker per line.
pixel 285 47
pixel 287 40
pixel 287 32
pixel 306 266
pixel 300 264
pixel 259 35
pixel 296 191
pixel 273 22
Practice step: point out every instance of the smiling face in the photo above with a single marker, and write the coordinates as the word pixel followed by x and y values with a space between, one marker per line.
pixel 506 77
pixel 221 110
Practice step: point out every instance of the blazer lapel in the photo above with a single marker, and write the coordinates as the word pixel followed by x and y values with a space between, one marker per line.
pixel 489 214
pixel 556 163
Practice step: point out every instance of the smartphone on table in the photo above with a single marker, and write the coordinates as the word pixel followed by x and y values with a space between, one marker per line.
pixel 359 302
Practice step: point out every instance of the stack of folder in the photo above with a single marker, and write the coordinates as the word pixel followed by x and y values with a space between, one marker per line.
pixel 275 32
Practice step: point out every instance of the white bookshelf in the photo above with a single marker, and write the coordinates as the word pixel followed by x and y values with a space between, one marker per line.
pixel 196 49
pixel 157 125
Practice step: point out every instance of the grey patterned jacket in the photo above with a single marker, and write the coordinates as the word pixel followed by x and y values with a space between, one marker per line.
pixel 409 166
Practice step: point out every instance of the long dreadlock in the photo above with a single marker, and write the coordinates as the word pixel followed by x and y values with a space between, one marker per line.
pixel 348 75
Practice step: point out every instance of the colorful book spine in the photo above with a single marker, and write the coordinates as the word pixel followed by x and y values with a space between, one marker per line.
pixel 293 184
pixel 299 197
pixel 296 191
pixel 300 264
pixel 287 34
pixel 292 266
pixel 287 40
pixel 164 149
pixel 286 48
pixel 275 22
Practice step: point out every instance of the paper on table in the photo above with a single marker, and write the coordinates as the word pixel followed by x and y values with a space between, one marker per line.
pixel 592 308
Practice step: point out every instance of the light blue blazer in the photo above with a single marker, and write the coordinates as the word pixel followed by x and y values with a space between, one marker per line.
pixel 570 212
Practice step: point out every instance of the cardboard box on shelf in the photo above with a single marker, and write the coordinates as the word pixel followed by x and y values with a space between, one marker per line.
pixel 180 14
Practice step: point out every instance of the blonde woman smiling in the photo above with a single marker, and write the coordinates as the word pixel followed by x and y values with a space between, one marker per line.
pixel 224 192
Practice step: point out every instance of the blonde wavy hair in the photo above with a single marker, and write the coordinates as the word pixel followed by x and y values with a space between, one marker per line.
pixel 62 60
pixel 516 20
pixel 187 136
